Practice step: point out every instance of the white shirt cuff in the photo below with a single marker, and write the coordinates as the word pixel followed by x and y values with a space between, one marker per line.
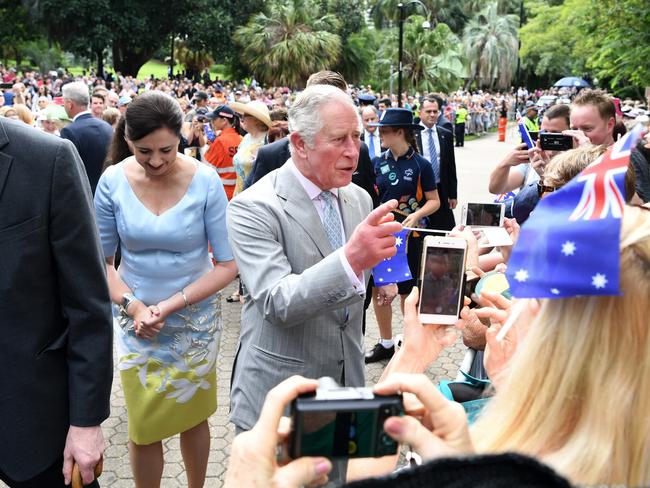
pixel 356 281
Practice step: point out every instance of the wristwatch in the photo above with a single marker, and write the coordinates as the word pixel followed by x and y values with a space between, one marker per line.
pixel 127 299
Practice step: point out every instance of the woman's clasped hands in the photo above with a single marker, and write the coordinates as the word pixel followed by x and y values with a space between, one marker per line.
pixel 148 320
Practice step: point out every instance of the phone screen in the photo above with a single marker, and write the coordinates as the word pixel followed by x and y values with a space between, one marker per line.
pixel 341 434
pixel 442 280
pixel 484 214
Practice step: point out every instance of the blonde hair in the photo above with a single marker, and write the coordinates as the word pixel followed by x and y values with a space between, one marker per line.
pixel 24 113
pixel 577 391
pixel 566 165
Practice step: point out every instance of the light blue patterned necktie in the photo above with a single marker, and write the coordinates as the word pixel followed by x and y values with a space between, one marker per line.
pixel 331 220
pixel 371 146
pixel 433 156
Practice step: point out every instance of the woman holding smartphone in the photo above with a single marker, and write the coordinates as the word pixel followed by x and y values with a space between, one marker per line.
pixel 402 174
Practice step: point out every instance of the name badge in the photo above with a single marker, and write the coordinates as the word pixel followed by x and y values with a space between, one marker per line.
pixel 384 169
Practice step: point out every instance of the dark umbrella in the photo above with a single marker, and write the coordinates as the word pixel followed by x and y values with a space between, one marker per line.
pixel 570 81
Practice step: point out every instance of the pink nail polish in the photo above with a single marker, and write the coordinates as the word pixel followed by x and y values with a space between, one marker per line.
pixel 323 467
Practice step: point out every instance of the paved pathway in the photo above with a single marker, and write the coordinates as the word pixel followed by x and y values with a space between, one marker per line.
pixel 474 163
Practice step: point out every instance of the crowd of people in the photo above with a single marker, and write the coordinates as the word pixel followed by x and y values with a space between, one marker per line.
pixel 136 204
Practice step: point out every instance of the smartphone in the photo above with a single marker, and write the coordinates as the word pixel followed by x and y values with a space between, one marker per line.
pixel 550 141
pixel 483 214
pixel 209 133
pixel 343 423
pixel 442 278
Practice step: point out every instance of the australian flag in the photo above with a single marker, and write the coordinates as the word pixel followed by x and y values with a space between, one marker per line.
pixel 570 244
pixel 395 269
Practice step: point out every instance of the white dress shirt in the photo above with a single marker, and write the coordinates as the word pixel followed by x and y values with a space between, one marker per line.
pixel 313 192
pixel 425 142
pixel 80 114
pixel 377 142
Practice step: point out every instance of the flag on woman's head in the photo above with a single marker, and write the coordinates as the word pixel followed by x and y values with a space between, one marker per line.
pixel 569 246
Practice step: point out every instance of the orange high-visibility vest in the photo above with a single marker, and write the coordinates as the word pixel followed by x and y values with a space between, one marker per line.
pixel 220 154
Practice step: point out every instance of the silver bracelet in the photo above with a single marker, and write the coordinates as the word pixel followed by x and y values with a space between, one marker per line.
pixel 187 302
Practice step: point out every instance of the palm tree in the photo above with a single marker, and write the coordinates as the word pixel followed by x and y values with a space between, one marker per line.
pixel 287 45
pixel 490 43
pixel 431 60
pixel 451 12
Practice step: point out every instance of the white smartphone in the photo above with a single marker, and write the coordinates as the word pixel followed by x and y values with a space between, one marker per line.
pixel 483 214
pixel 441 279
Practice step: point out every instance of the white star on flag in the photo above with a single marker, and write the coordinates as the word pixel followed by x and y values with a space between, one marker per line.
pixel 568 248
pixel 599 281
pixel 521 275
pixel 398 241
pixel 555 291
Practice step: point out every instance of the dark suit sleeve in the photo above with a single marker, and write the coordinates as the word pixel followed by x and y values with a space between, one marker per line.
pixel 269 158
pixel 450 162
pixel 365 174
pixel 85 302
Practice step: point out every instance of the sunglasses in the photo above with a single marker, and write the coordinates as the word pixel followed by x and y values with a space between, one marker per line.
pixel 541 189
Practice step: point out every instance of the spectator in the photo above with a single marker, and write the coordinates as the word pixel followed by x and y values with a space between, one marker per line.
pixel 111 115
pixel 222 150
pixel 90 135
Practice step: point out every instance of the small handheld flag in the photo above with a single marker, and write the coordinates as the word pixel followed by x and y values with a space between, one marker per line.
pixel 523 130
pixel 569 246
pixel 395 269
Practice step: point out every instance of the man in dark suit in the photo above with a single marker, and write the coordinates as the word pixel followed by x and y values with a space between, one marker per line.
pixel 436 144
pixel 90 135
pixel 55 316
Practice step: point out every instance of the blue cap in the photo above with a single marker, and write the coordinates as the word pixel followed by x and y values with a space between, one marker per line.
pixel 366 98
pixel 396 117
pixel 125 100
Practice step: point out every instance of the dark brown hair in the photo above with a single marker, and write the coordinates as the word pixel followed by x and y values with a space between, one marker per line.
pixel 559 111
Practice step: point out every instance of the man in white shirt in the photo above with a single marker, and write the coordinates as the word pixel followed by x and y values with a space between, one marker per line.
pixel 370 133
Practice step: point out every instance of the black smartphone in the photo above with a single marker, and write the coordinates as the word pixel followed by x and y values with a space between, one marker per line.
pixel 534 135
pixel 551 141
pixel 343 423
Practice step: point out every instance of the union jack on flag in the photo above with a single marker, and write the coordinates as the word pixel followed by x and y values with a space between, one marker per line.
pixel 570 244
pixel 601 195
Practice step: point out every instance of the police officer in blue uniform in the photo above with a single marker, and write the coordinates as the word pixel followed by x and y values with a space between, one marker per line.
pixel 402 174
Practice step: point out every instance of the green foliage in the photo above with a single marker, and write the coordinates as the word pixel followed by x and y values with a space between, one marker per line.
pixel 15 29
pixel 616 34
pixel 42 56
pixel 432 60
pixel 552 45
pixel 490 41
pixel 287 45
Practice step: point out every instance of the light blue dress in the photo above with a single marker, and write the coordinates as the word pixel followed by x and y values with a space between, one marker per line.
pixel 170 381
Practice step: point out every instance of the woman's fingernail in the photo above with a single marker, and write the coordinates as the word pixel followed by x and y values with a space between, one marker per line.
pixel 394 426
pixel 323 467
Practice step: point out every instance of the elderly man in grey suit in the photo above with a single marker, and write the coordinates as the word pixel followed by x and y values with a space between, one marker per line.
pixel 303 238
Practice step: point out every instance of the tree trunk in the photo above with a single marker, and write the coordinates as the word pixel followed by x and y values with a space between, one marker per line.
pixel 128 60
pixel 100 62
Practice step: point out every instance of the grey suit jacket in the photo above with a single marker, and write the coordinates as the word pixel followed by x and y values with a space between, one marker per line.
pixel 302 315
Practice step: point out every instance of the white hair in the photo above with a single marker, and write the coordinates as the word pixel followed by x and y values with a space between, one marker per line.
pixel 77 91
pixel 304 114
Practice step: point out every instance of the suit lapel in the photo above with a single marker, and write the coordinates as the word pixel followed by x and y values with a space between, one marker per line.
pixel 349 213
pixel 301 208
pixel 5 159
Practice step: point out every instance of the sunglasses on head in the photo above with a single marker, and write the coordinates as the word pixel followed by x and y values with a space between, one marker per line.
pixel 541 189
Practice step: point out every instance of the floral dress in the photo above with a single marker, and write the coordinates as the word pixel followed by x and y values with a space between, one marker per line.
pixel 169 382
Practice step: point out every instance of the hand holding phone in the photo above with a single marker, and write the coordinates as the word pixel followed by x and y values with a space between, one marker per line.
pixel 442 279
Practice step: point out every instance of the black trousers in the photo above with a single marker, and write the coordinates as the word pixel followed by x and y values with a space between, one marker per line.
pixel 52 477
pixel 459 129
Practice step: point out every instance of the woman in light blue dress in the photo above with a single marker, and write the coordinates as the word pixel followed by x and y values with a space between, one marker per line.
pixel 163 208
